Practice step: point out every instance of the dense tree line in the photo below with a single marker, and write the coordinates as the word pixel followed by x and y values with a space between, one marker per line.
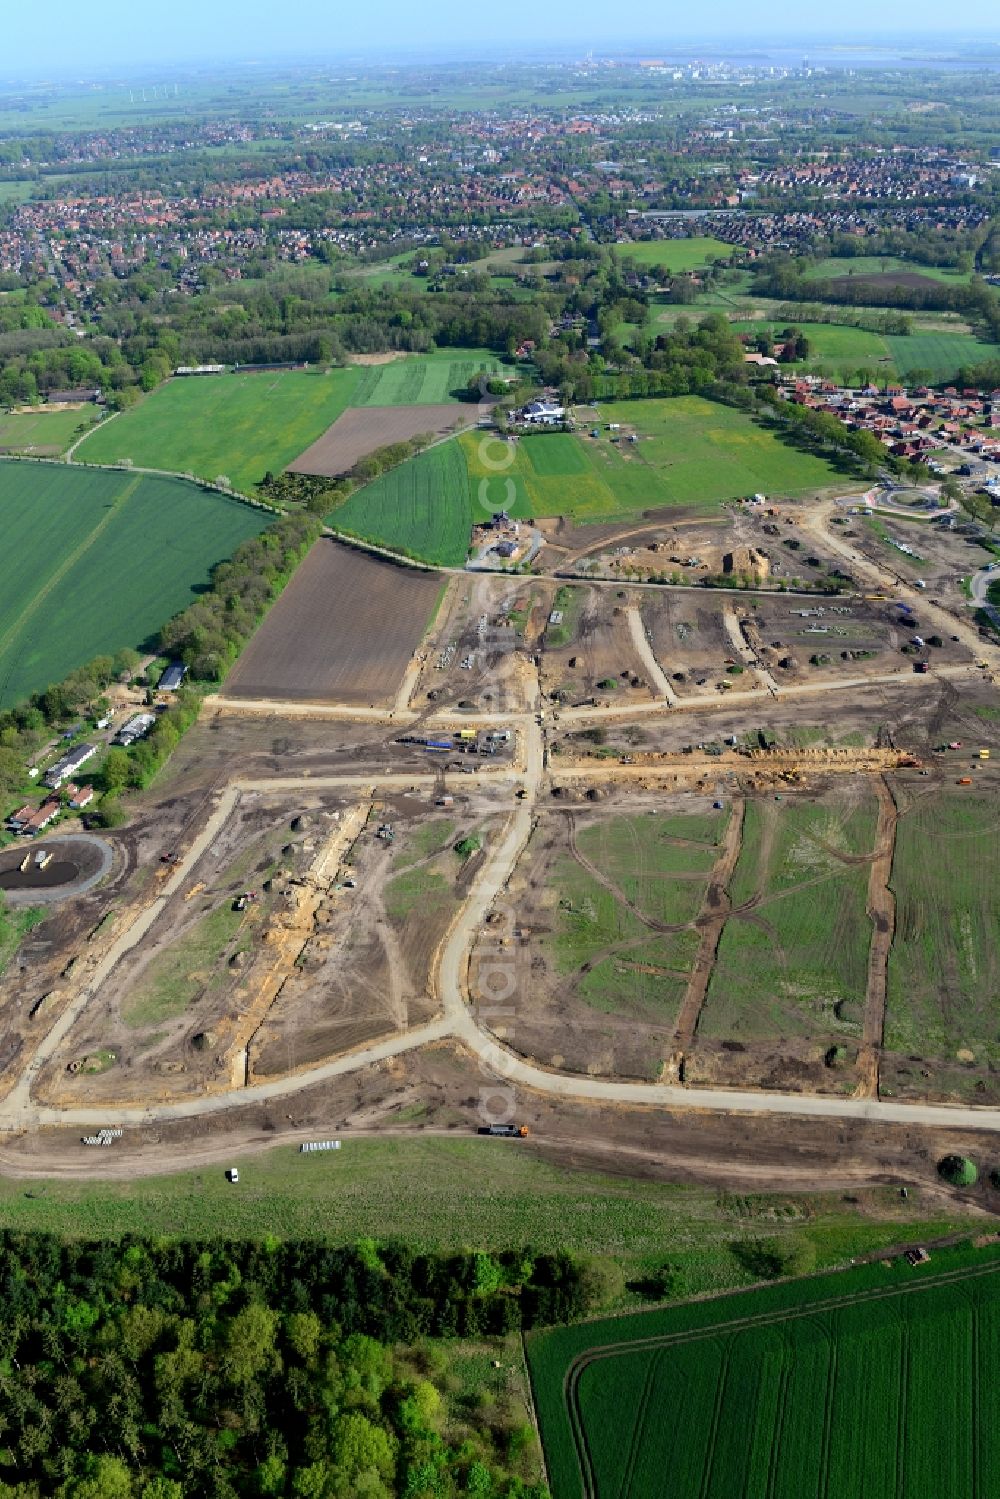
pixel 783 277
pixel 211 632
pixel 173 1370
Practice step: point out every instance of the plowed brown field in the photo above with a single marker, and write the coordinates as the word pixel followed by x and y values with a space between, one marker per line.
pixel 362 429
pixel 342 631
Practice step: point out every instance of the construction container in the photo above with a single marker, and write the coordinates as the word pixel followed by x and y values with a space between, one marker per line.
pixel 965 780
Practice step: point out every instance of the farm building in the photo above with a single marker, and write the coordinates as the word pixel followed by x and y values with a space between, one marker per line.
pixel 200 369
pixel 136 728
pixel 69 764
pixel 72 397
pixel 543 413
pixel 172 677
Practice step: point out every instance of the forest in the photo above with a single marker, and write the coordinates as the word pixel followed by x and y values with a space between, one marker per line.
pixel 174 1370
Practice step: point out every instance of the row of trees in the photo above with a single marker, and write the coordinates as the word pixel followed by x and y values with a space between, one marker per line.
pixel 211 632
pixel 173 1370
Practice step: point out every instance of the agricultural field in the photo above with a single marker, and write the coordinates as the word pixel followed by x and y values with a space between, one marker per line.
pixel 342 631
pixel 844 267
pixel 697 453
pixel 943 967
pixel 421 508
pixel 422 379
pixel 677 255
pixel 831 345
pixel 239 425
pixel 790 975
pixel 690 455
pixel 98 561
pixel 877 1381
pixel 42 433
pixel 839 350
pixel 362 429
pixel 940 354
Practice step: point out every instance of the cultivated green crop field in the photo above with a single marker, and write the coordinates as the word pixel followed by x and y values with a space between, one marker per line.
pixel 944 971
pixel 421 508
pixel 692 453
pixel 95 561
pixel 677 255
pixel 43 433
pixel 943 354
pixel 877 1382
pixel 238 425
pixel 422 379
pixel 795 962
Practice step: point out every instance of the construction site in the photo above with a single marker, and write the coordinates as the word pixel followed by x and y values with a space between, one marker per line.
pixel 700 834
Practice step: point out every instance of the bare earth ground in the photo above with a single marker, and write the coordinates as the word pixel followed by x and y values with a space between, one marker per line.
pixel 322 965
pixel 343 630
pixel 362 429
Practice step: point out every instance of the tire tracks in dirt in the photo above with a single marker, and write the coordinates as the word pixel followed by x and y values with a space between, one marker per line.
pixel 881 907
pixel 714 915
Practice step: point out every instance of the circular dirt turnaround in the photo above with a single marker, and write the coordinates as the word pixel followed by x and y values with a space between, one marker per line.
pixel 78 861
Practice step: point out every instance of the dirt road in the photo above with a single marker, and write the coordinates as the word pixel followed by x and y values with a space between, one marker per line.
pixel 644 651
pixel 458 1019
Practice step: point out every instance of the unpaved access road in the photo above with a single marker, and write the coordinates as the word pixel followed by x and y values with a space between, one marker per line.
pixel 644 651
pixel 457 1022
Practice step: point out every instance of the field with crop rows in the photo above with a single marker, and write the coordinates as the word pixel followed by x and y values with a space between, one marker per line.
pixel 421 508
pixel 942 354
pixel 97 561
pixel 793 956
pixel 422 379
pixel 239 425
pixel 944 971
pixel 873 1383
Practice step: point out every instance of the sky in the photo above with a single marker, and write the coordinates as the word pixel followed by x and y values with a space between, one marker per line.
pixel 116 33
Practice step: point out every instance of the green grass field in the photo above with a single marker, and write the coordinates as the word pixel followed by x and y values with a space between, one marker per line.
pixel 421 379
pixel 877 1382
pixel 43 433
pixel 692 453
pixel 943 354
pixel 677 255
pixel 658 868
pixel 836 267
pixel 442 1193
pixel 839 350
pixel 97 561
pixel 237 425
pixel 944 973
pixel 830 344
pixel 421 508
pixel 796 963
